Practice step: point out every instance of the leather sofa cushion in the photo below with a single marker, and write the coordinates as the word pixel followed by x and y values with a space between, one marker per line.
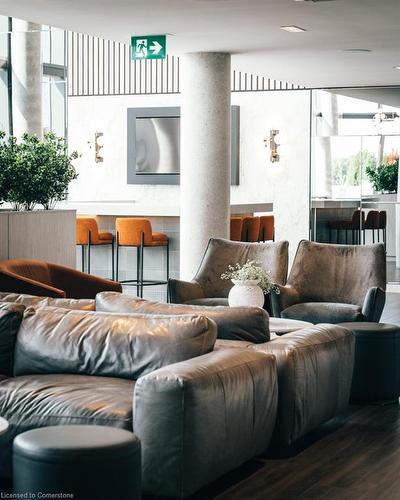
pixel 233 323
pixel 54 340
pixel 28 402
pixel 34 300
pixel 10 321
pixel 323 312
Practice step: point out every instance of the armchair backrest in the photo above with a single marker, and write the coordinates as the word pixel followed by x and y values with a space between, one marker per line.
pixel 220 253
pixel 337 273
pixel 35 270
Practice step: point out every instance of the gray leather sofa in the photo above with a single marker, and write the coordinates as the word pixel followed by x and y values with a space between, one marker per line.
pixel 315 365
pixel 333 284
pixel 207 287
pixel 198 413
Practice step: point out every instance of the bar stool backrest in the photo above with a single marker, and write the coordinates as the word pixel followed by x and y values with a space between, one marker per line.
pixel 382 219
pixel 267 228
pixel 84 226
pixel 355 220
pixel 250 228
pixel 236 228
pixel 372 220
pixel 130 229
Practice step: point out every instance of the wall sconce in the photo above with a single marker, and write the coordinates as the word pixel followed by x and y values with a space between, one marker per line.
pixel 272 145
pixel 98 145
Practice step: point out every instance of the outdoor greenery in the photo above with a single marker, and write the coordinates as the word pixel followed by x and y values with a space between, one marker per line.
pixel 384 177
pixel 34 171
pixel 251 271
pixel 347 171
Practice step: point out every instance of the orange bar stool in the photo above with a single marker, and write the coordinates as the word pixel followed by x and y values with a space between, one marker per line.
pixel 236 228
pixel 88 235
pixel 250 228
pixel 267 228
pixel 135 232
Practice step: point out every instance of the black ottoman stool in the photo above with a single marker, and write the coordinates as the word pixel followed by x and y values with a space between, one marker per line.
pixel 376 376
pixel 83 462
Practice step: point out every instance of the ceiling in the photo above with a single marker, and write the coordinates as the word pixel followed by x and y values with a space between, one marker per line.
pixel 250 31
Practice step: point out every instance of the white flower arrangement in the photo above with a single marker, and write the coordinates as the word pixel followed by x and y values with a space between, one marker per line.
pixel 251 271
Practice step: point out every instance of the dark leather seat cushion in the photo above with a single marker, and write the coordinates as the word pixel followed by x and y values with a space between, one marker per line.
pixel 28 402
pixel 323 312
pixel 10 320
pixel 209 301
pixel 36 301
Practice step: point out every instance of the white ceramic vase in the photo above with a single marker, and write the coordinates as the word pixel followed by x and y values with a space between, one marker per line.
pixel 246 293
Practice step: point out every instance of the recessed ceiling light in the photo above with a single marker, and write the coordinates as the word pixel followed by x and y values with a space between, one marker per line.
pixel 356 50
pixel 293 29
pixel 396 67
pixel 315 1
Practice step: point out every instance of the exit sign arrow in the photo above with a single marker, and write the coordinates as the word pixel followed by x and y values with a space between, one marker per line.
pixel 149 47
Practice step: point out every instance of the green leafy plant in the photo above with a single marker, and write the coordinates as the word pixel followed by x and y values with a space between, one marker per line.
pixel 251 271
pixel 34 171
pixel 384 177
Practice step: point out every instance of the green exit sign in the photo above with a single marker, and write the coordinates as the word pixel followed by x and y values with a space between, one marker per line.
pixel 149 47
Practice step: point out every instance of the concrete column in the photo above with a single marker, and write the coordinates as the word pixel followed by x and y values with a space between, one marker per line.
pixel 26 60
pixel 205 155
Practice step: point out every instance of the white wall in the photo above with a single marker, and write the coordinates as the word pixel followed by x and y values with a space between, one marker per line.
pixel 285 183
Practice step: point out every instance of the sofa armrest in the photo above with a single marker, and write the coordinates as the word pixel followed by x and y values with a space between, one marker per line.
pixel 181 291
pixel 374 303
pixel 203 417
pixel 315 370
pixel 286 297
pixel 10 282
pixel 80 285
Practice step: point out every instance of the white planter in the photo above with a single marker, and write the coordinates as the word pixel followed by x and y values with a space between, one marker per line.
pixel 246 293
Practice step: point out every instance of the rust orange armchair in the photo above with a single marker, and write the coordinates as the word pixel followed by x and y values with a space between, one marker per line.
pixel 36 277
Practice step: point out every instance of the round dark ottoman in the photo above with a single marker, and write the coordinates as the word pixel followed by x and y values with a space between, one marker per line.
pixel 376 376
pixel 83 462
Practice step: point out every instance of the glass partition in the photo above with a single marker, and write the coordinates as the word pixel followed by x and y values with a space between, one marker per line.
pixel 355 148
pixel 17 52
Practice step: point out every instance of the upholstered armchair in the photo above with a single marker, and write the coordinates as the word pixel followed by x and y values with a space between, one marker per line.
pixel 37 277
pixel 333 284
pixel 207 287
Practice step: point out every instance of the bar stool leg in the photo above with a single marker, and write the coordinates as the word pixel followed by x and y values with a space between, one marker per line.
pixel 384 238
pixel 117 257
pixel 138 271
pixel 141 262
pixel 83 257
pixel 364 236
pixel 346 240
pixel 167 270
pixel 112 260
pixel 89 245
pixel 373 236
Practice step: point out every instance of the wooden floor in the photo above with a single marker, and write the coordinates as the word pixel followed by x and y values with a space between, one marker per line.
pixel 356 457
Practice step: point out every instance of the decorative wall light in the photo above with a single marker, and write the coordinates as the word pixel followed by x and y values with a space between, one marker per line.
pixel 98 145
pixel 270 142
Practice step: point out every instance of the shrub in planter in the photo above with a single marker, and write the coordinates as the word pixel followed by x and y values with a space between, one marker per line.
pixel 34 171
pixel 384 177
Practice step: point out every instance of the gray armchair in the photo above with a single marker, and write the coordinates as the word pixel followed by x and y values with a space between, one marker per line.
pixel 207 287
pixel 333 284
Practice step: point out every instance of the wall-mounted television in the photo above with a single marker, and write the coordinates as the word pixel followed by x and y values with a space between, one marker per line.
pixel 154 145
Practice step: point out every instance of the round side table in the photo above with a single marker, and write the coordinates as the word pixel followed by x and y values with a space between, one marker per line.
pixel 280 326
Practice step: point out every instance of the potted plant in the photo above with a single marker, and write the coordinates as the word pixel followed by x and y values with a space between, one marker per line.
pixel 250 282
pixel 34 171
pixel 384 177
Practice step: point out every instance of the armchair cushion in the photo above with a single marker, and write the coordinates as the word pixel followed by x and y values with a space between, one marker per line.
pixel 209 301
pixel 323 312
pixel 54 340
pixel 234 323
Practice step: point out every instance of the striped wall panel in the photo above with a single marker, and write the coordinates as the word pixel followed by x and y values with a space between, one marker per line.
pixel 99 67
